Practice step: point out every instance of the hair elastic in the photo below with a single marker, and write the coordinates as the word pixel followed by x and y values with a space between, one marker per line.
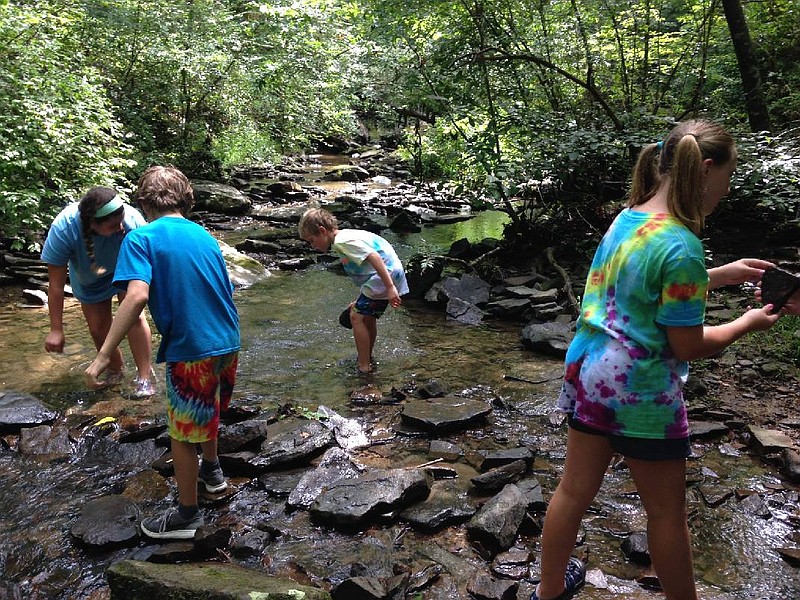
pixel 109 207
pixel 659 146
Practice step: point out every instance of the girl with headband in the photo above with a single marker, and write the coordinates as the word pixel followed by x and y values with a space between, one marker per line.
pixel 84 241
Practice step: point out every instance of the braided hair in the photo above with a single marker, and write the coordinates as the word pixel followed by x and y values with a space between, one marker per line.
pixel 90 202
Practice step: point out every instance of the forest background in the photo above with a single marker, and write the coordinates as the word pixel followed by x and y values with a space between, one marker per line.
pixel 495 99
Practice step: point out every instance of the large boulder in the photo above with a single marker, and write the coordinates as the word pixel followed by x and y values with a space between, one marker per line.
pixel 220 198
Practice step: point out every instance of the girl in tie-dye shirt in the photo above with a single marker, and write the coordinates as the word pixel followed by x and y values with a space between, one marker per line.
pixel 641 322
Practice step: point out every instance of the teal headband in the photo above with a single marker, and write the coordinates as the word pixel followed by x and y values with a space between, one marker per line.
pixel 109 207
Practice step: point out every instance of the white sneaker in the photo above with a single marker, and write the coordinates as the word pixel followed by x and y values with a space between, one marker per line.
pixel 144 387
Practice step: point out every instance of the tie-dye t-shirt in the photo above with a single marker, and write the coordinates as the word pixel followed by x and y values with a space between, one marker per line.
pixel 621 375
pixel 353 246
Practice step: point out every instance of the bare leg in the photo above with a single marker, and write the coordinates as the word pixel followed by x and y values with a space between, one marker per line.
pixel 98 318
pixel 364 333
pixel 184 459
pixel 662 487
pixel 588 457
pixel 141 344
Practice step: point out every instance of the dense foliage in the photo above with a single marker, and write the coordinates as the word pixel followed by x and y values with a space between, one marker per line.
pixel 502 99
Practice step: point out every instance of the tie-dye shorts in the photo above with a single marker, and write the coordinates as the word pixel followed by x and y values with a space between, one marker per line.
pixel 193 405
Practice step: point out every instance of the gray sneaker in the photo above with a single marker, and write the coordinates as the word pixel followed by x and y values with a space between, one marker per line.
pixel 170 526
pixel 214 480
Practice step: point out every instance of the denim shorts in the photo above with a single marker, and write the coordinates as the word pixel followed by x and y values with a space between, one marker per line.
pixel 370 307
pixel 639 448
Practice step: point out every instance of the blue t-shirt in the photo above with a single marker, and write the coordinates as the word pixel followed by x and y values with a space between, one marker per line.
pixel 191 295
pixel 621 374
pixel 353 246
pixel 65 246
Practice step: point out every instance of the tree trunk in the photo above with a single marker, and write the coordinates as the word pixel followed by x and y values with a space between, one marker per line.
pixel 756 105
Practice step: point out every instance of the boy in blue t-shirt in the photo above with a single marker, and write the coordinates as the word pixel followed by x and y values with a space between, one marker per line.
pixel 176 267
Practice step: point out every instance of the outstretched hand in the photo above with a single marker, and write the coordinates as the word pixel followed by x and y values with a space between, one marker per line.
pixel 94 370
pixel 739 271
pixel 761 319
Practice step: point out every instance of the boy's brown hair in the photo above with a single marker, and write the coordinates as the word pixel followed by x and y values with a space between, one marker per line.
pixel 165 189
pixel 313 219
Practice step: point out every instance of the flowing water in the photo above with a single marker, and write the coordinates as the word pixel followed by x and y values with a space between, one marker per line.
pixel 294 352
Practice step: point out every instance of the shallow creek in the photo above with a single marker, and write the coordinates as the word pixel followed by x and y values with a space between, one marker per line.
pixel 294 352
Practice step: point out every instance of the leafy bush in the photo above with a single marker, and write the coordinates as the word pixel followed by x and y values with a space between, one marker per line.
pixel 58 133
pixel 768 174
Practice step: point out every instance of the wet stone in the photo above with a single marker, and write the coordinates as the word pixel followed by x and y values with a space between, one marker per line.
pixel 445 450
pixel 765 441
pixel 464 312
pixel 494 527
pixel 777 286
pixel 635 548
pixel 200 581
pixel 549 338
pixel 438 472
pixel 531 488
pixel 791 464
pixel 280 484
pixel 444 414
pixel 108 521
pixel 499 458
pixel 45 440
pixel 754 505
pixel 447 504
pixel 423 574
pixel 355 501
pixel 242 435
pixel 19 410
pixel 293 442
pixel 790 555
pixel 101 450
pixel 715 495
pixel 485 587
pixel 334 467
pixel 366 395
pixel 705 430
pixel 250 543
pixel 496 478
pixel 360 588
pixel 513 564
pixel 433 388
